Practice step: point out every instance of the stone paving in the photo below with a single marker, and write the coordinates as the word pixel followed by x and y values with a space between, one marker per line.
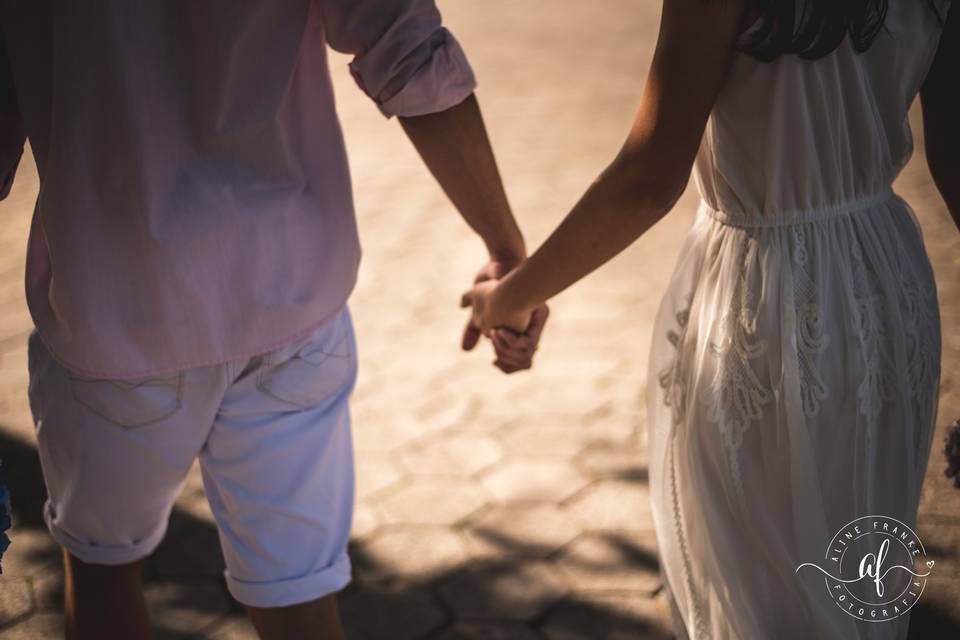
pixel 489 507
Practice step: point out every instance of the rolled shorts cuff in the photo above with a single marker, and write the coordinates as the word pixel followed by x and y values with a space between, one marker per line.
pixel 282 593
pixel 104 554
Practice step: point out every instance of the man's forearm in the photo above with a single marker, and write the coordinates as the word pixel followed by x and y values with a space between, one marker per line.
pixel 455 147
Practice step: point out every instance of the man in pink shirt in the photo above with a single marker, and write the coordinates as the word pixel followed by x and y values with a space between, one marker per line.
pixel 190 258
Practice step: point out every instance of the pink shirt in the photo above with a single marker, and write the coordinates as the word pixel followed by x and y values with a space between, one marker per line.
pixel 195 202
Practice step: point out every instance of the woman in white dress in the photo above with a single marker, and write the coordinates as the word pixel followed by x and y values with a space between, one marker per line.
pixel 796 359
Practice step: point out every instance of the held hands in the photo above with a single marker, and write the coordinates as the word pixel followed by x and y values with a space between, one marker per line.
pixel 515 334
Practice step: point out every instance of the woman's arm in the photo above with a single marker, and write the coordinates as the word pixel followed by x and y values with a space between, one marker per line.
pixel 940 99
pixel 692 56
pixel 12 136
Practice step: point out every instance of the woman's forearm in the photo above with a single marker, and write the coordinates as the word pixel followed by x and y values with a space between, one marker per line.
pixel 689 67
pixel 694 52
pixel 940 101
pixel 12 134
pixel 619 207
pixel 946 175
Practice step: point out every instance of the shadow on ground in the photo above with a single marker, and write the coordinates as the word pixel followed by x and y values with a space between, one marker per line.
pixel 493 598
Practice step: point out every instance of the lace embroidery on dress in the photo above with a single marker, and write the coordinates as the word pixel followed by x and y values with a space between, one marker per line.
pixel 921 331
pixel 877 386
pixel 877 383
pixel 921 325
pixel 738 395
pixel 692 594
pixel 811 340
pixel 671 378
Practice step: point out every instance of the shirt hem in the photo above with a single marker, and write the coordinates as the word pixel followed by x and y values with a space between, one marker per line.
pixel 93 373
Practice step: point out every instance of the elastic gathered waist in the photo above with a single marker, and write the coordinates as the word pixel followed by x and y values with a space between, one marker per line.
pixel 788 217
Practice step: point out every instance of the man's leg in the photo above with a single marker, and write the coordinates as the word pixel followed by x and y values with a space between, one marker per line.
pixel 278 471
pixel 114 456
pixel 103 602
pixel 314 620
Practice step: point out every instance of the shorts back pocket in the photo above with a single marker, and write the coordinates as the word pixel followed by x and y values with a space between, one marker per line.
pixel 130 403
pixel 312 370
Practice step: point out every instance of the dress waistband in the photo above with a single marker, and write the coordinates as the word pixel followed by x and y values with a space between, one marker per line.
pixel 796 216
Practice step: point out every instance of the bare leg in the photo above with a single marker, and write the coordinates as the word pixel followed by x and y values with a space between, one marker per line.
pixel 314 620
pixel 104 602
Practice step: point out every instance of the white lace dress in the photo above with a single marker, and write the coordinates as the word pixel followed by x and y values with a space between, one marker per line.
pixel 796 358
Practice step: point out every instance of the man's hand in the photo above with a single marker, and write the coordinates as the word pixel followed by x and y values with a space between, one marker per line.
pixel 514 350
pixel 454 145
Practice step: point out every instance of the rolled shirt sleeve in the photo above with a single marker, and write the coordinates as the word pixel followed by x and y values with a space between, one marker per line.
pixel 404 58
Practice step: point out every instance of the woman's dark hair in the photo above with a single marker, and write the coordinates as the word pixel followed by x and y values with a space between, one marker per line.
pixel 813 28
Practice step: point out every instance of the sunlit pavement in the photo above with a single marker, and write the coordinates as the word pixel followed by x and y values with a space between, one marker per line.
pixel 489 507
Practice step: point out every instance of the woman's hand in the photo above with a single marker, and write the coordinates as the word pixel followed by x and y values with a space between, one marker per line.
pixel 494 269
pixel 489 310
pixel 514 349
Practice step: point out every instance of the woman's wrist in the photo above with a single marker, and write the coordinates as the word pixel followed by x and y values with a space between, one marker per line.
pixel 510 294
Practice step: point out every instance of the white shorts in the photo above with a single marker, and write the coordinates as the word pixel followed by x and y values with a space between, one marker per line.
pixel 273 436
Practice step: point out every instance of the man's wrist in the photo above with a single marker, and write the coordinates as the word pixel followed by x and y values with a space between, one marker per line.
pixel 509 253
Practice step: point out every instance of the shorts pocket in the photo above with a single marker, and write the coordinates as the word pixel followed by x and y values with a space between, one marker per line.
pixel 130 403
pixel 312 370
